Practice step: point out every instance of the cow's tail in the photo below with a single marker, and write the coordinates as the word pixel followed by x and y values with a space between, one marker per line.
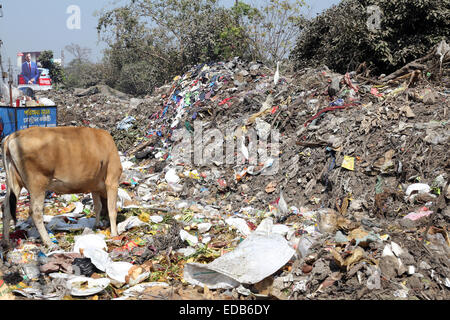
pixel 12 184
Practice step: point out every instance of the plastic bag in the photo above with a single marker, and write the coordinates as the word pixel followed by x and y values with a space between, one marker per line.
pixel 239 224
pixel 173 180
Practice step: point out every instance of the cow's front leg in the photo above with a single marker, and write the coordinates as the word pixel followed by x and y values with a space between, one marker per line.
pixel 37 206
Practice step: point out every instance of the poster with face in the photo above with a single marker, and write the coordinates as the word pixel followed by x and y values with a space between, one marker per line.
pixel 31 72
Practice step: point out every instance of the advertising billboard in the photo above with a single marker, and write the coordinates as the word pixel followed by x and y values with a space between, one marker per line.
pixel 31 72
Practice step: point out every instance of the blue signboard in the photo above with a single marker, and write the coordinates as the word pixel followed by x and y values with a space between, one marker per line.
pixel 14 119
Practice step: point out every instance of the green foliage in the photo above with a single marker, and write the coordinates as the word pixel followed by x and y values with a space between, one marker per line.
pixel 55 70
pixel 340 38
pixel 138 78
pixel 150 41
pixel 83 74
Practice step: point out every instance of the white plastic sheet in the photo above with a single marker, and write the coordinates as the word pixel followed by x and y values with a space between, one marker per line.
pixel 261 254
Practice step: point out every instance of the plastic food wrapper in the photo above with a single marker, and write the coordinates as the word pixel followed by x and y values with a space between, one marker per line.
pixel 5 293
pixel 261 254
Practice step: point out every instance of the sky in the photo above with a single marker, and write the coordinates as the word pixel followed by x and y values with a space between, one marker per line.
pixel 31 25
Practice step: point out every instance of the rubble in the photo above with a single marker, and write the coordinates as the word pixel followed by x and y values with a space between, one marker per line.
pixel 355 194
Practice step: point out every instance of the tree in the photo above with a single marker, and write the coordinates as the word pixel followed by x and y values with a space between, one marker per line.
pixel 167 37
pixel 130 42
pixel 274 30
pixel 341 39
pixel 234 39
pixel 55 70
pixel 81 54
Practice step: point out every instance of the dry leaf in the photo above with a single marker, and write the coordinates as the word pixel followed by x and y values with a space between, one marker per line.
pixel 337 258
pixel 271 187
pixel 408 111
pixel 357 255
pixel 357 233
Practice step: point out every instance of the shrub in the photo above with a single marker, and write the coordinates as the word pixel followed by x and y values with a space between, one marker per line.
pixel 341 39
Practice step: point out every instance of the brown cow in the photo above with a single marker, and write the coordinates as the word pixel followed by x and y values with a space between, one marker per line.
pixel 65 160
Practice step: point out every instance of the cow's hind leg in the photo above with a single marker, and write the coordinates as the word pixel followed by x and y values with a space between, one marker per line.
pixel 14 186
pixel 9 208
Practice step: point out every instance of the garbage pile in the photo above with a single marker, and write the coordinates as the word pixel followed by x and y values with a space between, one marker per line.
pixel 22 97
pixel 337 188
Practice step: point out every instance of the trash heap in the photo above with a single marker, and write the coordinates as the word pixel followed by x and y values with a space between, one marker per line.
pixel 353 204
